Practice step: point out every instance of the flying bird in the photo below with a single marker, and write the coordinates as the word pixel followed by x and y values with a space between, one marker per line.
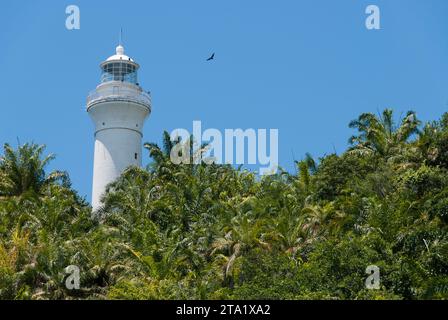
pixel 211 57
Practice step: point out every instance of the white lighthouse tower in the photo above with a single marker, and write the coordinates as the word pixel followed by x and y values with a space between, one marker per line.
pixel 118 107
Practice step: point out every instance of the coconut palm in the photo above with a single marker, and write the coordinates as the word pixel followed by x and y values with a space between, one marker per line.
pixel 380 135
pixel 23 170
pixel 241 236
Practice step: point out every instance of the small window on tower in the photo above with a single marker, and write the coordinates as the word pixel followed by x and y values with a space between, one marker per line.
pixel 135 156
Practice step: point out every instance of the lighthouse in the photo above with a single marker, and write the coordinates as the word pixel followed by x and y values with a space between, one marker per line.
pixel 118 107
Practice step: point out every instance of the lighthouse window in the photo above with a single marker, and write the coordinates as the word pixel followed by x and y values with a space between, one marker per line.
pixel 135 156
pixel 119 71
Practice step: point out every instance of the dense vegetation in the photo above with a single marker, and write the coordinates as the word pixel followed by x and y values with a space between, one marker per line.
pixel 215 232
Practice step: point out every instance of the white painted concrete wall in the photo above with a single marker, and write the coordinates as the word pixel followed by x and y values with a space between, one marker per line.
pixel 118 139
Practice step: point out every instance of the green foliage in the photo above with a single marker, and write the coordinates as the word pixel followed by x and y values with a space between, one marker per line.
pixel 193 231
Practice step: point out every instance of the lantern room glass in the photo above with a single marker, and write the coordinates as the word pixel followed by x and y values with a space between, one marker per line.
pixel 119 71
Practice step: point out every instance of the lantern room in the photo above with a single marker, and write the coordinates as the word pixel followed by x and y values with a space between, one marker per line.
pixel 119 67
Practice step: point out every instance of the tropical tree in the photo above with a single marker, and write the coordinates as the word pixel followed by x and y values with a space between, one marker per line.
pixel 379 134
pixel 23 171
pixel 210 231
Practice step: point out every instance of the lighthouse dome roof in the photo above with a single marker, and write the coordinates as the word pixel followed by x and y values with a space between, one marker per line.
pixel 119 55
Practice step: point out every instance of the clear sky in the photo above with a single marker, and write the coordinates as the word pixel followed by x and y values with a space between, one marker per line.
pixel 304 67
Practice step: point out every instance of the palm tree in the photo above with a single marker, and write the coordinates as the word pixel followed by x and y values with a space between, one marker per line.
pixel 241 236
pixel 305 169
pixel 379 135
pixel 23 171
pixel 160 155
pixel 288 232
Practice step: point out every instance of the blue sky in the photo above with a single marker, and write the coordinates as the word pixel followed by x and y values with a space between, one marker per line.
pixel 304 67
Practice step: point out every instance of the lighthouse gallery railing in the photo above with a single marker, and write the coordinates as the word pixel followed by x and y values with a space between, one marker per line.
pixel 117 93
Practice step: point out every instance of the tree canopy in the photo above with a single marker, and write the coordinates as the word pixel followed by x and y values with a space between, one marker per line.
pixel 198 231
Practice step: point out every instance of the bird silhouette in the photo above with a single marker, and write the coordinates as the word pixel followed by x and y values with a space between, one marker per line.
pixel 211 57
